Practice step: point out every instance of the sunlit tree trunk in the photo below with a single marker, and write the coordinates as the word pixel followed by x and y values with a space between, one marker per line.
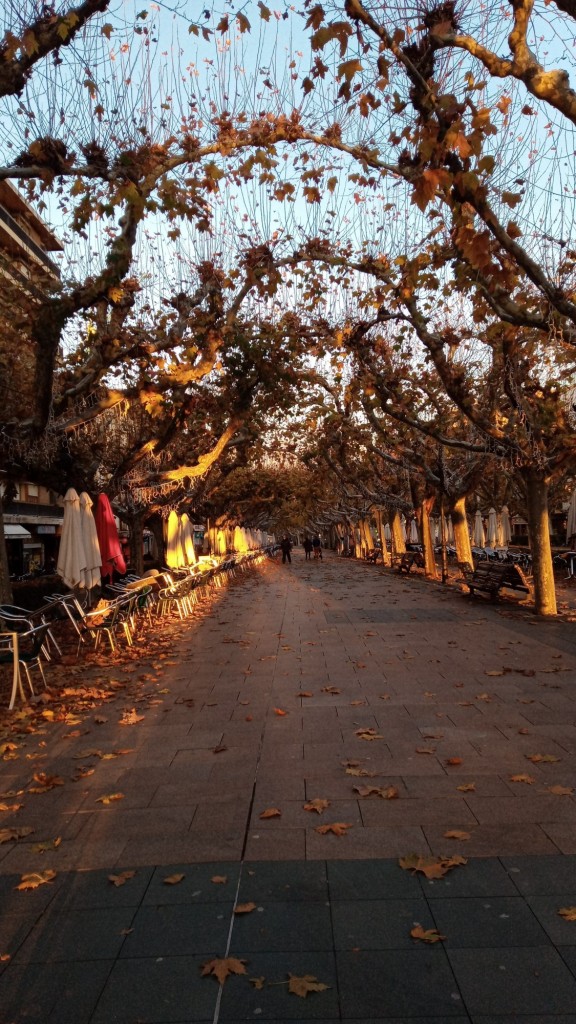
pixel 538 525
pixel 461 534
pixel 383 545
pixel 5 585
pixel 398 541
pixel 423 516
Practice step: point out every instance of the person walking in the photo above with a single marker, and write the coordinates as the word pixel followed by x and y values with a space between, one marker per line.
pixel 308 546
pixel 286 548
pixel 317 545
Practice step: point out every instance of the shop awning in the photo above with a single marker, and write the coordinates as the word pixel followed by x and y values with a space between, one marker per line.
pixel 15 532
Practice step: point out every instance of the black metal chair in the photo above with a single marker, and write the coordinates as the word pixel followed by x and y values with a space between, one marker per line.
pixel 29 649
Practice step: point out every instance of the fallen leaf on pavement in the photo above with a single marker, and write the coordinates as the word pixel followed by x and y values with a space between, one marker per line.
pixel 455 834
pixel 542 758
pixel 271 812
pixel 568 913
pixel 338 828
pixel 495 672
pixel 257 982
pixel 524 732
pixel 386 792
pixel 131 718
pixel 221 967
pixel 45 782
pixel 361 773
pixel 280 712
pixel 523 777
pixel 368 734
pixel 431 867
pixel 301 986
pixel 244 908
pixel 34 879
pixel 426 935
pixel 425 750
pixel 10 807
pixel 453 761
pixel 561 790
pixel 109 798
pixel 6 834
pixel 467 787
pixel 51 844
pixel 219 879
pixel 329 689
pixel 318 805
pixel 174 879
pixel 303 693
pixel 122 878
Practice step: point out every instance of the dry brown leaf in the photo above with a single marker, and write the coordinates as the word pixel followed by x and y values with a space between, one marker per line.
pixel 280 712
pixel 425 750
pixel 221 967
pixel 10 807
pixel 386 792
pixel 244 908
pixel 368 734
pixel 524 732
pixel 318 805
pixel 51 844
pixel 174 879
pixel 561 790
pixel 456 834
pixel 568 913
pixel 6 834
pixel 303 693
pixel 429 935
pixel 131 718
pixel 34 879
pixel 542 758
pixel 257 982
pixel 122 878
pixel 431 867
pixel 329 689
pixel 109 798
pixel 361 773
pixel 467 787
pixel 338 828
pixel 301 986
pixel 495 672
pixel 219 879
pixel 523 777
pixel 271 812
pixel 453 761
pixel 357 703
pixel 45 782
pixel 220 749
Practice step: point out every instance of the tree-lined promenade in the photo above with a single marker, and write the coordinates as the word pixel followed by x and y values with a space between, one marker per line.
pixel 352 269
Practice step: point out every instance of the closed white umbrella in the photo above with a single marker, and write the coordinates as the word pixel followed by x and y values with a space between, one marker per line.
pixel 506 527
pixel 387 532
pixel 414 538
pixel 71 558
pixel 478 535
pixel 449 529
pixel 571 521
pixel 174 553
pixel 89 543
pixel 403 526
pixel 492 533
pixel 187 539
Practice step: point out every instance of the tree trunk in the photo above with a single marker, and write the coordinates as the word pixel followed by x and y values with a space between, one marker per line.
pixel 398 542
pixel 423 514
pixel 155 524
pixel 380 527
pixel 5 585
pixel 461 534
pixel 539 527
pixel 137 543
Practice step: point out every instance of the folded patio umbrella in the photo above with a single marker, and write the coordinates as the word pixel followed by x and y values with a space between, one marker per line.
pixel 72 560
pixel 90 543
pixel 108 539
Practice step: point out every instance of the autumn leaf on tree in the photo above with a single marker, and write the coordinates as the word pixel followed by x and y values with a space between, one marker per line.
pixel 301 986
pixel 221 967
pixel 271 812
pixel 431 867
pixel 34 879
pixel 568 913
pixel 429 935
pixel 338 828
pixel 318 805
pixel 122 878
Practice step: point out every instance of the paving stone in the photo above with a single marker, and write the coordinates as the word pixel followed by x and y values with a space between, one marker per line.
pixel 522 981
pixel 370 880
pixel 478 878
pixel 91 934
pixel 283 926
pixel 85 890
pixel 56 994
pixel 241 1001
pixel 491 921
pixel 283 844
pixel 177 929
pixel 378 924
pixel 158 991
pixel 301 881
pixel 196 886
pixel 546 909
pixel 541 876
pixel 385 983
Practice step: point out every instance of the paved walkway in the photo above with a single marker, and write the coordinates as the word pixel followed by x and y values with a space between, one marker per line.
pixel 305 683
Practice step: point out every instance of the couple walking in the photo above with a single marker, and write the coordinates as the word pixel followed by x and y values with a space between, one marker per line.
pixel 313 545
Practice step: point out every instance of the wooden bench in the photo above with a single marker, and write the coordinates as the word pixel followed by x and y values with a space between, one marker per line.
pixel 491 577
pixel 404 562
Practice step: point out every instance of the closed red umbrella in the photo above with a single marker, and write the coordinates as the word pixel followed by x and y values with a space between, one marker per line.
pixel 108 539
